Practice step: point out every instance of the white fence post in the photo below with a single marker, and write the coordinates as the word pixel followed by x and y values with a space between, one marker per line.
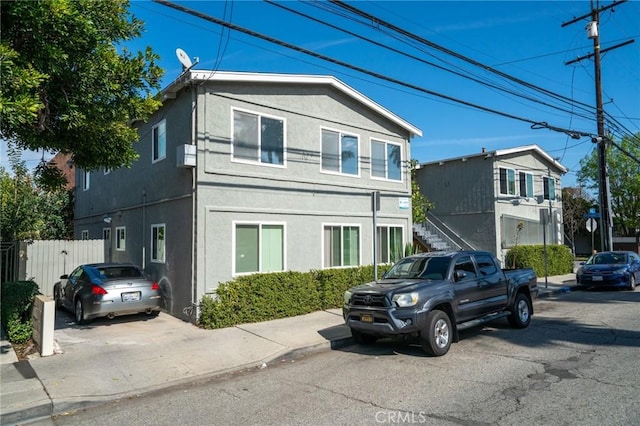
pixel 43 318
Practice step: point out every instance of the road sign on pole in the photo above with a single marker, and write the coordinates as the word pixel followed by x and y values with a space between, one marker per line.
pixel 591 225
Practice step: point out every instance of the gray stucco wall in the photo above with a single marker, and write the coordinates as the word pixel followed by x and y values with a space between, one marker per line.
pixel 466 194
pixel 463 195
pixel 299 195
pixel 219 192
pixel 148 193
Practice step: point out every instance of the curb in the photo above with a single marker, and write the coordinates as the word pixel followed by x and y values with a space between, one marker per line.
pixel 27 415
pixel 319 347
pixel 27 401
pixel 555 292
pixel 53 409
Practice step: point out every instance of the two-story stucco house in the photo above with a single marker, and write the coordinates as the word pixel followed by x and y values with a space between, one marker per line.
pixel 241 173
pixel 481 199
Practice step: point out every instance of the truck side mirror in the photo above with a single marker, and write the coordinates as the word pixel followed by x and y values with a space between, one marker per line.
pixel 460 274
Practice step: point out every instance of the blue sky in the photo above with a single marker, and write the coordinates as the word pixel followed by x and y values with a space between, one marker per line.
pixel 520 38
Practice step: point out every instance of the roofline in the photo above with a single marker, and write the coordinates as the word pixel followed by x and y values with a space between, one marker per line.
pixel 507 151
pixel 226 76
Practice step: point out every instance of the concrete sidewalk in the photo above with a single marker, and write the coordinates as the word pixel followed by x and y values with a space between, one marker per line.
pixel 114 359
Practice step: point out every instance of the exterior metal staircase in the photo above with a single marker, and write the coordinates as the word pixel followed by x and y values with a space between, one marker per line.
pixel 438 236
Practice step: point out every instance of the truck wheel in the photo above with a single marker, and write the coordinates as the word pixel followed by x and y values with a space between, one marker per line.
pixel 521 315
pixel 436 335
pixel 362 338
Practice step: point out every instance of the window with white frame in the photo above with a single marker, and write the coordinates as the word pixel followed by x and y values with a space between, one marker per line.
pixel 386 160
pixel 526 184
pixel 549 187
pixel 341 245
pixel 121 238
pixel 390 247
pixel 259 247
pixel 85 234
pixel 258 138
pixel 158 243
pixel 106 234
pixel 159 141
pixel 86 180
pixel 507 181
pixel 340 152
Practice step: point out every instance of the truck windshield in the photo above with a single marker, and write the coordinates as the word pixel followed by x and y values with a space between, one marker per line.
pixel 428 268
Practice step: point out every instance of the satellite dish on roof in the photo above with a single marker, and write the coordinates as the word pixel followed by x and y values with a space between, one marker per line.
pixel 184 58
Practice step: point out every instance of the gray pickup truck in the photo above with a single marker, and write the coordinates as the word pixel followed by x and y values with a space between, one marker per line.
pixel 432 296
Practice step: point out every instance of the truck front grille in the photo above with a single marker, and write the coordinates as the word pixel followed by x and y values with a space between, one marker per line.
pixel 368 300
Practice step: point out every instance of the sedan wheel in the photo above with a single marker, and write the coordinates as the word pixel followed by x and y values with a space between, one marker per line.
pixel 632 282
pixel 79 313
pixel 58 299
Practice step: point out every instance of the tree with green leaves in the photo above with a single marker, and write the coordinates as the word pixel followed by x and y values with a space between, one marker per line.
pixel 575 203
pixel 68 83
pixel 623 163
pixel 31 210
pixel 419 203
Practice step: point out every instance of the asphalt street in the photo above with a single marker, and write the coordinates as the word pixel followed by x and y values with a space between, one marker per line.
pixel 576 364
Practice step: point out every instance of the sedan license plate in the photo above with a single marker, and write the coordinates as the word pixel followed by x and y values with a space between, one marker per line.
pixel 133 296
pixel 366 318
pixel 597 278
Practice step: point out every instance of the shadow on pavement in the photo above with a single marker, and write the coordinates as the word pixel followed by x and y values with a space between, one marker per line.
pixel 65 319
pixel 543 332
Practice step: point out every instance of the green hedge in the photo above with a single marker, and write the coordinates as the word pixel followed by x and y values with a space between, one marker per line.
pixel 17 300
pixel 263 297
pixel 559 258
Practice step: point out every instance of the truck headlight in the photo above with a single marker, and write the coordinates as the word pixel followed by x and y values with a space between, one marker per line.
pixel 347 297
pixel 405 299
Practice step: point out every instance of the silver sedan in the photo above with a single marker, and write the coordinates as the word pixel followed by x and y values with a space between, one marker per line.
pixel 107 290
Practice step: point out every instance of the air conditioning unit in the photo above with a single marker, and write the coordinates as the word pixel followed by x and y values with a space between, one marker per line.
pixel 186 156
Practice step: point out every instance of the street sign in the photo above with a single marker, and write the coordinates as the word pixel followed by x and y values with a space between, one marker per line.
pixel 591 224
pixel 592 213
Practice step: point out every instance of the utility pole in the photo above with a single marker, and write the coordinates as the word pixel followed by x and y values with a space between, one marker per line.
pixel 606 242
pixel 604 196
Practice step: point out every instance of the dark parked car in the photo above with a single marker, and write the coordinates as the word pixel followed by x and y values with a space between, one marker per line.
pixel 611 269
pixel 107 290
pixel 430 297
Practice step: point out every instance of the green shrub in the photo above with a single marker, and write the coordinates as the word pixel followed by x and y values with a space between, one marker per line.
pixel 260 297
pixel 17 300
pixel 263 297
pixel 559 259
pixel 19 332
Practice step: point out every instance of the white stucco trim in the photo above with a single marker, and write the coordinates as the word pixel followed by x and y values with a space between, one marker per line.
pixel 534 147
pixel 502 152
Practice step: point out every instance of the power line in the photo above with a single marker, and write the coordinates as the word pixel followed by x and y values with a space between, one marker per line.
pixel 440 67
pixel 360 69
pixel 378 21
